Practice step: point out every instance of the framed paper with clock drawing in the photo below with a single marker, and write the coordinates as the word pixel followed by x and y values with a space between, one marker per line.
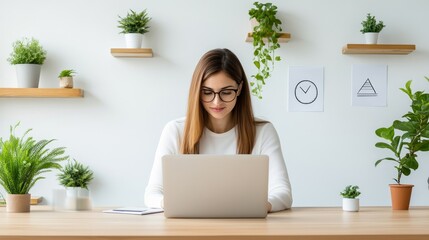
pixel 306 89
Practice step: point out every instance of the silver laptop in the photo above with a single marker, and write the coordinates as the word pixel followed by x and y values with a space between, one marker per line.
pixel 215 186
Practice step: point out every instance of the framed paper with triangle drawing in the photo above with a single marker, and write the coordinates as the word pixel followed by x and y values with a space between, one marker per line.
pixel 369 85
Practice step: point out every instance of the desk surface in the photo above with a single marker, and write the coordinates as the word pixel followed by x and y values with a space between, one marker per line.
pixel 298 223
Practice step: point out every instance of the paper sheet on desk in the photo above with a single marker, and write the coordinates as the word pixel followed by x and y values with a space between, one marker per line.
pixel 135 210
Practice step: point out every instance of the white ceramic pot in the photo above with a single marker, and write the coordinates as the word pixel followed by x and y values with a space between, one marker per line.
pixel 133 40
pixel 371 37
pixel 77 199
pixel 18 203
pixel 66 82
pixel 351 204
pixel 28 75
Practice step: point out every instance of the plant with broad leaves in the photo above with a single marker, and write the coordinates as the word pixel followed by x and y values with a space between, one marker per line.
pixel 407 137
pixel 350 192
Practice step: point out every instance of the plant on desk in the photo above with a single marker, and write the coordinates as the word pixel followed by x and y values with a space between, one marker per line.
pixel 405 139
pixel 22 162
pixel 350 200
pixel 76 178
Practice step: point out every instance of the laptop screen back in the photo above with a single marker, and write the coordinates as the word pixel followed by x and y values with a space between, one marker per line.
pixel 215 186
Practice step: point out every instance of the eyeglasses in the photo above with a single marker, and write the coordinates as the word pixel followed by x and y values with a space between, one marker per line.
pixel 226 95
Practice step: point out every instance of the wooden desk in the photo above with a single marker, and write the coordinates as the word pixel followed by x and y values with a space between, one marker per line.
pixel 298 223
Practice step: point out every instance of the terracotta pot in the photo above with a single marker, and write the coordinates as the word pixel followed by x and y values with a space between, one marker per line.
pixel 401 195
pixel 18 203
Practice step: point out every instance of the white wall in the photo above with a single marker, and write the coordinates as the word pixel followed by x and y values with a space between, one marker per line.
pixel 115 128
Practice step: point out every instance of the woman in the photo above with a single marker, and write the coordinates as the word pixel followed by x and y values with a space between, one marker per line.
pixel 220 120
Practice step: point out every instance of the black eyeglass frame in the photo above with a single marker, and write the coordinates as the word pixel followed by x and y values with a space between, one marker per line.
pixel 218 93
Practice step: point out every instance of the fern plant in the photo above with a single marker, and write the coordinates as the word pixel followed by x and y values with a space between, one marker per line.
pixel 23 160
pixel 265 42
pixel 370 25
pixel 75 174
pixel 350 192
pixel 66 73
pixel 27 51
pixel 134 22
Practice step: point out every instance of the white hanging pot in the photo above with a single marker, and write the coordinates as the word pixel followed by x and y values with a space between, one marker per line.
pixel 28 75
pixel 133 40
pixel 371 37
pixel 351 204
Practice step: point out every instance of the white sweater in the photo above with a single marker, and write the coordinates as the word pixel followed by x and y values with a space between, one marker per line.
pixel 267 143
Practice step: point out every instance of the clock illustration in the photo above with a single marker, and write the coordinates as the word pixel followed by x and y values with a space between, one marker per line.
pixel 306 92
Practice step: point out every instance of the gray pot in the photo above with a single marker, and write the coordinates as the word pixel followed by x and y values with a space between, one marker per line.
pixel 28 75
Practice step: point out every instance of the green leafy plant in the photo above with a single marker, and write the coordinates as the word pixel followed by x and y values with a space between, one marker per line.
pixel 27 51
pixel 66 73
pixel 350 192
pixel 134 22
pixel 75 174
pixel 370 25
pixel 410 135
pixel 23 160
pixel 265 42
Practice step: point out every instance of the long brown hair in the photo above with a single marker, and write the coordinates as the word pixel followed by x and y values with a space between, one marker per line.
pixel 212 62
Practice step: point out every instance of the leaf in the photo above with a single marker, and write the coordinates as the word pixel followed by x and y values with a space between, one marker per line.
pixel 386 133
pixel 403 126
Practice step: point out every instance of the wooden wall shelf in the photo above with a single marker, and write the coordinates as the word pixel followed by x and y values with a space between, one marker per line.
pixel 284 37
pixel 132 52
pixel 41 92
pixel 401 49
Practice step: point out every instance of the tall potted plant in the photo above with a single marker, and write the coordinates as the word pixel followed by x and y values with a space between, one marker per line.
pixel 76 178
pixel 133 26
pixel 371 29
pixel 28 57
pixel 405 139
pixel 265 33
pixel 23 160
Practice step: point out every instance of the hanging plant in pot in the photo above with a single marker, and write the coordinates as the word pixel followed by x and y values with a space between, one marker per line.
pixel 28 57
pixel 22 161
pixel 134 26
pixel 75 177
pixel 371 29
pixel 265 33
pixel 405 139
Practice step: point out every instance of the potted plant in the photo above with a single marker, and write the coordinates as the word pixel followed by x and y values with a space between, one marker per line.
pixel 405 139
pixel 133 26
pixel 371 29
pixel 76 178
pixel 27 56
pixel 265 33
pixel 23 160
pixel 350 200
pixel 66 78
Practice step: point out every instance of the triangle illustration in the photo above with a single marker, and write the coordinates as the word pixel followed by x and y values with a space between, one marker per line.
pixel 367 90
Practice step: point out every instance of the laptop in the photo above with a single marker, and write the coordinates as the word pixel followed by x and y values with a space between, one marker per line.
pixel 215 186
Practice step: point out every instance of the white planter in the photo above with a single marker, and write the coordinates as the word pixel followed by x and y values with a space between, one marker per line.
pixel 371 37
pixel 351 204
pixel 77 199
pixel 28 75
pixel 66 82
pixel 133 40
